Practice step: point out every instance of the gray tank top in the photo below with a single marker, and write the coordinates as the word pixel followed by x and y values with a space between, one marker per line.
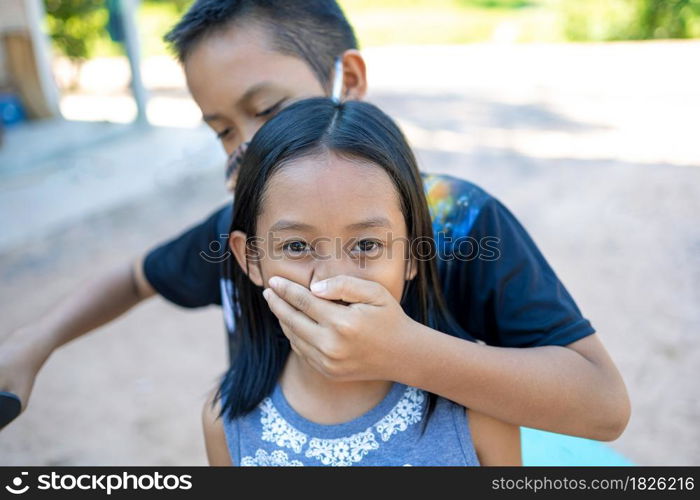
pixel 274 434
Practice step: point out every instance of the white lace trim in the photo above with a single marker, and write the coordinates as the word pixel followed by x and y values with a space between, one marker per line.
pixel 277 430
pixel 406 412
pixel 342 451
pixel 345 450
pixel 277 458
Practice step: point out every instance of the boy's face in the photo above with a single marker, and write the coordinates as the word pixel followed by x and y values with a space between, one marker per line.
pixel 239 82
pixel 318 221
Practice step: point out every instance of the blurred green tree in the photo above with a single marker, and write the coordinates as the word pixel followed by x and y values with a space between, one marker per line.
pixel 631 19
pixel 180 5
pixel 74 24
pixel 665 18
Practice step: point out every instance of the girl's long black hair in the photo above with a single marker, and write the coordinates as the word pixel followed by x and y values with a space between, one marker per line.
pixel 352 129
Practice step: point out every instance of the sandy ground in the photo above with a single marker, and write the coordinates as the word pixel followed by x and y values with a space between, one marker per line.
pixel 604 174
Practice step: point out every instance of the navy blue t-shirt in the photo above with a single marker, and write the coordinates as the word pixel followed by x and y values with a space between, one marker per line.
pixel 496 282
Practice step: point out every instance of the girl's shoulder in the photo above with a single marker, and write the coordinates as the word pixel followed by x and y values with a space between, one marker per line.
pixel 214 434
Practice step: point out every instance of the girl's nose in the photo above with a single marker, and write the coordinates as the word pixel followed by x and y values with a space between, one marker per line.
pixel 329 265
pixel 315 278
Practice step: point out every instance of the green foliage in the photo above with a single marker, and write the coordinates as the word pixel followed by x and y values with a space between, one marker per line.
pixel 498 4
pixel 379 22
pixel 155 19
pixel 74 25
pixel 631 19
pixel 415 22
pixel 77 27
pixel 666 19
pixel 178 6
pixel 597 20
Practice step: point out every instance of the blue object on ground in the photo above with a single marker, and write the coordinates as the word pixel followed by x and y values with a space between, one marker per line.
pixel 542 448
pixel 11 110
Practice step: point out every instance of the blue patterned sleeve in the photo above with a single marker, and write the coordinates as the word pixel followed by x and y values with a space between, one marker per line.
pixel 497 283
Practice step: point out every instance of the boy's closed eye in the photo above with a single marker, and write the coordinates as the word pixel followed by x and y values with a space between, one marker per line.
pixel 272 110
pixel 267 113
pixel 224 133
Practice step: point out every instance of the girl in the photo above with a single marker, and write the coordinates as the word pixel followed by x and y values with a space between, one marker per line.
pixel 327 189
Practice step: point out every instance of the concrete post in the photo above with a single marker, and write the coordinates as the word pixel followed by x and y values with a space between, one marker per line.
pixel 131 43
pixel 34 10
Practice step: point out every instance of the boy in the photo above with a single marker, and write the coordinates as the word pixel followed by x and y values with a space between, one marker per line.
pixel 244 60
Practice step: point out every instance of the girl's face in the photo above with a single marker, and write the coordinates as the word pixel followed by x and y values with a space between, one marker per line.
pixel 326 215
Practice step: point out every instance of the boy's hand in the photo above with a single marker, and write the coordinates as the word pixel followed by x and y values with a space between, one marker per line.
pixel 357 341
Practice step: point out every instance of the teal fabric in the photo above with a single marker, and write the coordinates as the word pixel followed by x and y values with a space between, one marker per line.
pixel 542 448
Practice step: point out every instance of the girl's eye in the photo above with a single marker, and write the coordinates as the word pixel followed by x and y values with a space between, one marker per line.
pixel 367 246
pixel 294 247
pixel 271 110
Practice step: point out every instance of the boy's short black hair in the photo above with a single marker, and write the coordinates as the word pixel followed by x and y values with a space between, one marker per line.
pixel 313 30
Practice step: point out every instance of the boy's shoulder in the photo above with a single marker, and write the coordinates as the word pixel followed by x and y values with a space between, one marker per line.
pixel 454 203
pixel 437 182
pixel 222 218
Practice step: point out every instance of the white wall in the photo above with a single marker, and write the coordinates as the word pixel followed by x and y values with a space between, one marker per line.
pixel 12 17
pixel 27 15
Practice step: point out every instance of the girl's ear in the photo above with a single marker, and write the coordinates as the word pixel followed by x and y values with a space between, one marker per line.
pixel 411 270
pixel 237 241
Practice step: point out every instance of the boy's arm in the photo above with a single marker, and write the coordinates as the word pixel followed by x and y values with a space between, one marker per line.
pixel 573 389
pixel 94 304
pixel 509 296
pixel 496 443
pixel 181 270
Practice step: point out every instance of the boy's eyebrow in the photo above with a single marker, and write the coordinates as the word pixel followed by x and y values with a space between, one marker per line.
pixel 290 225
pixel 247 96
pixel 250 93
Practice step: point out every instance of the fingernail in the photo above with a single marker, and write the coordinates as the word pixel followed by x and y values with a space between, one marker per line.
pixel 275 281
pixel 319 286
pixel 266 294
